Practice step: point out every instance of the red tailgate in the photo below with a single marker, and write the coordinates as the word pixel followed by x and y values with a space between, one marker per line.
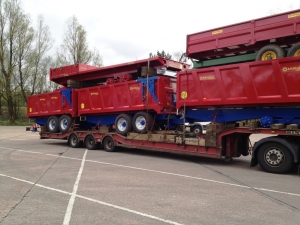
pixel 49 104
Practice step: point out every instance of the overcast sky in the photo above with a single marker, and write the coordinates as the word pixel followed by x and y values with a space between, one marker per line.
pixel 128 30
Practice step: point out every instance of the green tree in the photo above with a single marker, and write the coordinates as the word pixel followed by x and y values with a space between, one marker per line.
pixel 31 74
pixel 22 53
pixel 14 28
pixel 75 48
pixel 161 54
pixel 1 94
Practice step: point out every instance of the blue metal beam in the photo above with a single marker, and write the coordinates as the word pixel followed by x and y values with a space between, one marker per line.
pixel 66 94
pixel 267 115
pixel 151 86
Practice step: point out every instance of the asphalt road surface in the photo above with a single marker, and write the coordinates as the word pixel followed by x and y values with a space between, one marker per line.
pixel 46 182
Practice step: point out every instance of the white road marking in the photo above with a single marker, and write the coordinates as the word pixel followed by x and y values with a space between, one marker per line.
pixel 167 173
pixel 96 201
pixel 38 185
pixel 73 195
pixel 39 153
pixel 197 178
pixel 129 210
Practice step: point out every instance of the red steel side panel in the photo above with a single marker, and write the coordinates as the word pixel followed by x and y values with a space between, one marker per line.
pixel 267 83
pixel 126 97
pixel 56 73
pixel 81 72
pixel 203 44
pixel 50 104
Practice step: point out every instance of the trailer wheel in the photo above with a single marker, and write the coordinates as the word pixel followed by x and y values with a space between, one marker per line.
pixel 123 124
pixel 142 122
pixel 197 130
pixel 269 52
pixel 274 157
pixel 74 141
pixel 109 144
pixel 65 122
pixel 52 124
pixel 294 50
pixel 90 142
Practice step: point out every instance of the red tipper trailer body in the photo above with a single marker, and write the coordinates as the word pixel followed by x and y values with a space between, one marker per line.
pixel 128 96
pixel 267 83
pixel 81 72
pixel 52 103
pixel 244 36
pixel 100 98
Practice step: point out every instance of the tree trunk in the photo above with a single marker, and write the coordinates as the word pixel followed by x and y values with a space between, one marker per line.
pixel 1 105
pixel 10 108
pixel 10 102
pixel 24 94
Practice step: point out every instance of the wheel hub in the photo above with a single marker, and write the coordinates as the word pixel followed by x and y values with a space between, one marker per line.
pixel 274 157
pixel 122 124
pixel 52 124
pixel 268 55
pixel 74 140
pixel 140 122
pixel 297 53
pixel 64 123
pixel 109 144
pixel 197 130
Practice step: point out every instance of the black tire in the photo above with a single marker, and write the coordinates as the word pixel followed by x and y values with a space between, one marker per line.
pixel 90 142
pixel 197 129
pixel 269 52
pixel 294 50
pixel 123 124
pixel 142 122
pixel 74 141
pixel 109 144
pixel 52 124
pixel 65 122
pixel 274 157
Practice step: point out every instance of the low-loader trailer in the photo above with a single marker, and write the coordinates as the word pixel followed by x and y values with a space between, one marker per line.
pixel 245 80
pixel 235 113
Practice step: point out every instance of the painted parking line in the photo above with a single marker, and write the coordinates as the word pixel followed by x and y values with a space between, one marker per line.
pixel 96 201
pixel 32 152
pixel 18 139
pixel 73 195
pixel 166 173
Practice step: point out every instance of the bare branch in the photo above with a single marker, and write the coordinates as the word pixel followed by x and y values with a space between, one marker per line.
pixel 75 48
